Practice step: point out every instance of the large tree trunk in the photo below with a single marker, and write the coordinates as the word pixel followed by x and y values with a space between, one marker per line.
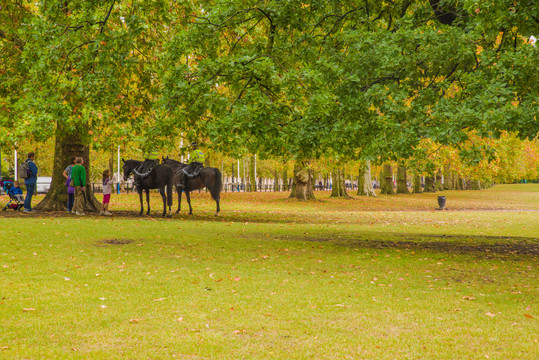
pixel 364 183
pixel 302 188
pixel 67 145
pixel 430 183
pixel 475 185
pixel 459 183
pixel 449 183
pixel 439 185
pixel 402 180
pixel 339 186
pixel 416 184
pixel 386 180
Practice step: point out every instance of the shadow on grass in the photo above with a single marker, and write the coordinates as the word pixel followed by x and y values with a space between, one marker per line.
pixel 476 245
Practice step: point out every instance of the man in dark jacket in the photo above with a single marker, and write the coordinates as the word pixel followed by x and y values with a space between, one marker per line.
pixel 30 182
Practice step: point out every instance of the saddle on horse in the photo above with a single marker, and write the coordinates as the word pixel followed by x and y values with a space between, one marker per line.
pixel 144 169
pixel 191 171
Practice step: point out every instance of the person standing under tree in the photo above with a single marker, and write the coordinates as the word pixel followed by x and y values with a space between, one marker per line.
pixel 78 176
pixel 70 190
pixel 30 181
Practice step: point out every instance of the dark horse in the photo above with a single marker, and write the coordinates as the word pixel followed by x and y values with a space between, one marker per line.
pixel 208 177
pixel 160 176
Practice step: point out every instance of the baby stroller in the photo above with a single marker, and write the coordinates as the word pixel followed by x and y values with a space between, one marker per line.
pixel 15 202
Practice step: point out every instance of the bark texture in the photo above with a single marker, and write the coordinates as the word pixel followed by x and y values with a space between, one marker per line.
pixel 302 187
pixel 449 178
pixel 459 183
pixel 402 180
pixel 386 180
pixel 339 188
pixel 438 184
pixel 475 185
pixel 430 183
pixel 416 184
pixel 275 180
pixel 364 185
pixel 67 145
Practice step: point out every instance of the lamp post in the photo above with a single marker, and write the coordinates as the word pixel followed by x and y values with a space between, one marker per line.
pixel 119 177
pixel 16 164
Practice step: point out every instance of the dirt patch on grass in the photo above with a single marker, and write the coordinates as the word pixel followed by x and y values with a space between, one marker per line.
pixel 114 242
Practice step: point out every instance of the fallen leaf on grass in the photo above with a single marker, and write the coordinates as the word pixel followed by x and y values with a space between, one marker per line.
pixel 529 316
pixel 235 332
pixel 160 299
pixel 468 298
pixel 490 314
pixel 134 321
pixel 28 309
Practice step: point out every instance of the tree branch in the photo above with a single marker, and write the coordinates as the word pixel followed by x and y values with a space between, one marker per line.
pixel 107 17
pixel 65 63
pixel 240 95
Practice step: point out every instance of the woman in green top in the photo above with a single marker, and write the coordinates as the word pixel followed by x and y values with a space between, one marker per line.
pixel 78 176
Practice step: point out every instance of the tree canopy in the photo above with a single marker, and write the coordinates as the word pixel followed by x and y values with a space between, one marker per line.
pixel 346 78
pixel 285 79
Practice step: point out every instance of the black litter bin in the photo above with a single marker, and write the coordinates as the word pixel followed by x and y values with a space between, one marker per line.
pixel 441 202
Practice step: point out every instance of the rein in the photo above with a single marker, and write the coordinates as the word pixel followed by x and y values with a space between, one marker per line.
pixel 142 174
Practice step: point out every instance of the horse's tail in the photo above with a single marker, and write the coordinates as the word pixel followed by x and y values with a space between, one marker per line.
pixel 216 189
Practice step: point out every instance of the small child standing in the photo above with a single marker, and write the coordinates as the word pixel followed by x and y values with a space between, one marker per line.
pixel 107 190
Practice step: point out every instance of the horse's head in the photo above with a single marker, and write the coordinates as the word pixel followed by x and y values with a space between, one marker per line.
pixel 128 167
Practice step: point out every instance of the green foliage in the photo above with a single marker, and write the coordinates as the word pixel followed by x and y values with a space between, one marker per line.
pixel 291 80
pixel 306 79
pixel 79 66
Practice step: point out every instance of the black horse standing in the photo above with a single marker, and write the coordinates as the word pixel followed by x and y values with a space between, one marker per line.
pixel 160 176
pixel 208 177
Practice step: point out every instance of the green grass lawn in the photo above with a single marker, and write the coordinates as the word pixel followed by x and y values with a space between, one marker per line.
pixel 382 278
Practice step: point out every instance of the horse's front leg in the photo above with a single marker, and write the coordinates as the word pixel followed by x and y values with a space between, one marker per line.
pixel 141 202
pixel 188 197
pixel 179 191
pixel 148 201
